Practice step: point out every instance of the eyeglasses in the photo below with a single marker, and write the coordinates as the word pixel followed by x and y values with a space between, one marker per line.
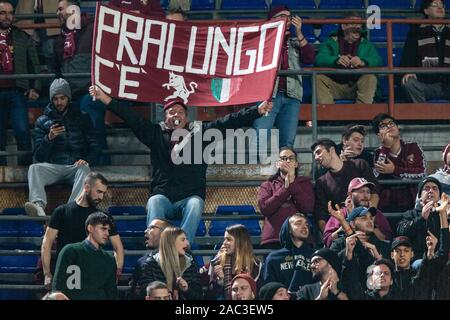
pixel 437 5
pixel 284 16
pixel 290 159
pixel 387 125
pixel 155 227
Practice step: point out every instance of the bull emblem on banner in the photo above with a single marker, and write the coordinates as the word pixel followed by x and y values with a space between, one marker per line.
pixel 179 85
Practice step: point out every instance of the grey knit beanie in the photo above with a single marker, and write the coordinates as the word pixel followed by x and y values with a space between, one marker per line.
pixel 60 86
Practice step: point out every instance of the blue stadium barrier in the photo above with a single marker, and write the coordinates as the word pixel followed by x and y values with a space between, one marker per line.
pixel 217 228
pixel 295 4
pixel 244 4
pixel 389 4
pixel 341 4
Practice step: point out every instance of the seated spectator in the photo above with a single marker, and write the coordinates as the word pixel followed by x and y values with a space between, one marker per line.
pixel 347 48
pixel 274 291
pixel 359 223
pixel 396 159
pixel 359 193
pixel 17 55
pixel 86 261
pixel 288 91
pixel 157 290
pixel 326 270
pixel 332 186
pixel 55 295
pixel 148 7
pixel 291 264
pixel 282 196
pixel 427 46
pixel 73 54
pixel 152 236
pixel 243 287
pixel 64 145
pixel 235 258
pixel 424 218
pixel 172 265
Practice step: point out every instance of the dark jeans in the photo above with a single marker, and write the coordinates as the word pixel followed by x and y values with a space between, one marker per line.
pixel 13 108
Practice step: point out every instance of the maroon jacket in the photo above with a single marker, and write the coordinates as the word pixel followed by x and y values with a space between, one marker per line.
pixel 278 203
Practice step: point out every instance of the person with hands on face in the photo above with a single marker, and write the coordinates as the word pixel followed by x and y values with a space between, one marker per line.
pixel 64 146
pixel 396 159
pixel 347 48
pixel 178 186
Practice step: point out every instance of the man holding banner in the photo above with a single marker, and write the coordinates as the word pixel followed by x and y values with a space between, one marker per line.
pixel 178 156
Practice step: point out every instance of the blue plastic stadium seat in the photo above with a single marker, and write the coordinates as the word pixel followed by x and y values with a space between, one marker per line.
pixel 327 29
pixel 308 32
pixel 244 4
pixel 295 4
pixel 201 230
pixel 198 259
pixel 18 264
pixel 307 89
pixel 20 228
pixel 218 227
pixel 131 228
pixel 164 3
pixel 16 295
pixel 129 263
pixel 203 4
pixel 341 4
pixel 127 211
pixel 399 31
pixel 396 55
pixel 389 4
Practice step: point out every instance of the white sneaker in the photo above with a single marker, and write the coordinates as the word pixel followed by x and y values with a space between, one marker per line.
pixel 34 210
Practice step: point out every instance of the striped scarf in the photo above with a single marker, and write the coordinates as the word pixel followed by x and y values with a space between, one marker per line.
pixel 227 276
pixel 428 46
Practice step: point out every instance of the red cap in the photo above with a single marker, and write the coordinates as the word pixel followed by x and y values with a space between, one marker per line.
pixel 357 183
pixel 249 279
pixel 174 102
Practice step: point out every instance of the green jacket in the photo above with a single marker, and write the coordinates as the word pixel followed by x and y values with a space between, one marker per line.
pixel 25 59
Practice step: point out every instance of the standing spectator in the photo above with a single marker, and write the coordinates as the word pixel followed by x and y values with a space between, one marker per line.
pixel 235 258
pixel 152 240
pixel 172 265
pixel 274 291
pixel 243 287
pixel 178 189
pixel 359 193
pixel 17 55
pixel 332 186
pixel 326 269
pixel 282 196
pixel 348 48
pixel 416 223
pixel 443 174
pixel 84 271
pixel 67 224
pixel 427 46
pixel 291 265
pixel 288 90
pixel 73 54
pixel 396 159
pixel 157 290
pixel 64 145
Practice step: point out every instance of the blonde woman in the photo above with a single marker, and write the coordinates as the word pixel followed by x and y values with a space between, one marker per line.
pixel 174 266
pixel 235 257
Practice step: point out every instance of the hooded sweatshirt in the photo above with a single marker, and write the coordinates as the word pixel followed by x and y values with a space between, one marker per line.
pixel 289 265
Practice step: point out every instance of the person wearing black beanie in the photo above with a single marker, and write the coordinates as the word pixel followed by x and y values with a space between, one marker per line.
pixel 274 291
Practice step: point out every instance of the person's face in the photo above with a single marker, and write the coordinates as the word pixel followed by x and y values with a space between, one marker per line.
pixel 159 294
pixel 402 256
pixel 95 193
pixel 322 156
pixel 381 277
pixel 389 126
pixel 352 31
pixel 319 267
pixel 241 290
pixel 100 233
pixel 152 234
pixel 6 15
pixel 229 243
pixel 286 161
pixel 281 294
pixel 447 160
pixel 61 102
pixel 285 14
pixel 436 10
pixel 61 12
pixel 174 114
pixel 361 197
pixel 181 244
pixel 299 228
pixel 355 143
pixel 430 192
pixel 364 223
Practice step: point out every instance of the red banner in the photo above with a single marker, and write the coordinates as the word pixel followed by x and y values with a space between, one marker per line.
pixel 139 58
